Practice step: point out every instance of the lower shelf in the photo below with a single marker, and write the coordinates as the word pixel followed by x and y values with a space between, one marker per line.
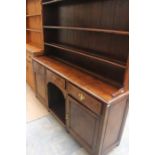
pixel 56 101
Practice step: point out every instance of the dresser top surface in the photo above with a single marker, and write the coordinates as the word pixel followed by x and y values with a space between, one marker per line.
pixel 84 81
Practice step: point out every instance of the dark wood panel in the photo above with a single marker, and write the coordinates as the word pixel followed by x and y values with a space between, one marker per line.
pixel 84 98
pixel 81 119
pixel 57 80
pixel 97 69
pixel 110 14
pixel 87 54
pixel 118 32
pixel 40 82
pixel 39 76
pixel 114 124
pixel 38 68
pixel 108 45
pixel 97 88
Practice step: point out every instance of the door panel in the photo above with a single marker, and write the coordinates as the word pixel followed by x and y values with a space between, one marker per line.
pixel 83 123
pixel 39 72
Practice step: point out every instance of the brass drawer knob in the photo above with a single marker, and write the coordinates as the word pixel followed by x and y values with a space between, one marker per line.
pixel 81 97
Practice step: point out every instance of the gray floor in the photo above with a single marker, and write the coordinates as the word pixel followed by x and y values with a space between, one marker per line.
pixel 45 136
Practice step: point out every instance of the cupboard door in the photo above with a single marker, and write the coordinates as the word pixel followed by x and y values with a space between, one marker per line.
pixel 39 72
pixel 82 124
pixel 40 84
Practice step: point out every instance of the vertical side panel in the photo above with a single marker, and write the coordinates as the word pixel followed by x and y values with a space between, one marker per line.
pixel 114 125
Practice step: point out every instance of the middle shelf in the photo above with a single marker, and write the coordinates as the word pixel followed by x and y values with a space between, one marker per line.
pixel 87 54
pixel 118 32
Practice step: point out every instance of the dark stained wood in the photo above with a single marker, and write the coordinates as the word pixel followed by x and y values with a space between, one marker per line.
pixel 83 110
pixel 76 33
pixel 93 86
pixel 83 75
pixel 118 64
pixel 81 119
pixel 88 29
pixel 84 98
pixel 40 88
pixel 114 122
pixel 56 100
pixel 114 125
pixel 106 14
pixel 101 44
pixel 38 68
pixel 51 1
pixel 57 80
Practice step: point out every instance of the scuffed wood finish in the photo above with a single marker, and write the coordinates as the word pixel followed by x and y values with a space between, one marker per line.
pixel 93 86
pixel 83 75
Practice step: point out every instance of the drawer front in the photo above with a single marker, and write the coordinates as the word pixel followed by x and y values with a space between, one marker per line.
pixel 84 98
pixel 38 68
pixel 57 80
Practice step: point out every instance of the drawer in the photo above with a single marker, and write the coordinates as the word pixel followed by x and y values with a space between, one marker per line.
pixel 84 98
pixel 38 68
pixel 56 79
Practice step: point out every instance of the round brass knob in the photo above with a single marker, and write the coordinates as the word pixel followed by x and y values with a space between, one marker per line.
pixel 81 97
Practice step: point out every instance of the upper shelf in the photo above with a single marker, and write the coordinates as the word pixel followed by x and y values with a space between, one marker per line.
pixel 51 2
pixel 126 33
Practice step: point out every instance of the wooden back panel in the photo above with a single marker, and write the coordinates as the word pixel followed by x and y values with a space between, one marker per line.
pixel 90 35
pixel 102 44
pixel 108 14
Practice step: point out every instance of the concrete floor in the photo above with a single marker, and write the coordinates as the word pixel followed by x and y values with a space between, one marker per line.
pixel 45 136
